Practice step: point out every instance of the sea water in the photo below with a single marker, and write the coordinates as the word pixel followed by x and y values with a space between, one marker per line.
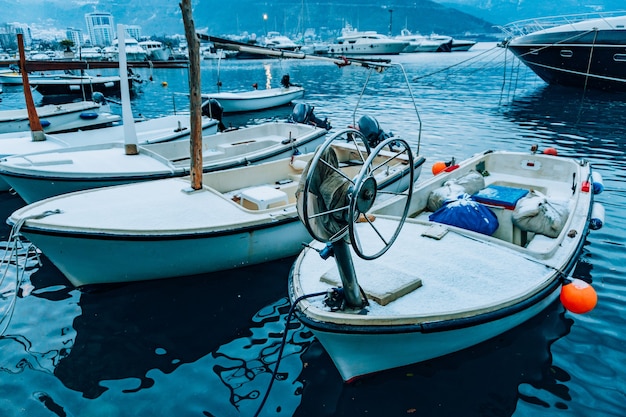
pixel 207 345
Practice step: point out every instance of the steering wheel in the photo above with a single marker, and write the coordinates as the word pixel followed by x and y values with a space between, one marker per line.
pixel 379 238
pixel 332 222
pixel 325 223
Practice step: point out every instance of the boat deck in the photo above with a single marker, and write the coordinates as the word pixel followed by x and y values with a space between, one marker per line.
pixel 481 268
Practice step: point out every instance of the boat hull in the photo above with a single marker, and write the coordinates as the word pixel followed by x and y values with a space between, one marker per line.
pixel 388 348
pixel 78 86
pixel 257 99
pixel 140 258
pixel 589 54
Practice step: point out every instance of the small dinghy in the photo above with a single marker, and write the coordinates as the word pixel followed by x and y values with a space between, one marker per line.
pixel 465 256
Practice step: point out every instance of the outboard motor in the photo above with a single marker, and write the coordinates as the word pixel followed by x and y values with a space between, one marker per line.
pixel 303 113
pixel 213 109
pixel 98 97
pixel 370 128
pixel 286 82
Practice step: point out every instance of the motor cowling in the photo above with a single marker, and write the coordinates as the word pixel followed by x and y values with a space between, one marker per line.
pixel 370 128
pixel 213 109
pixel 303 113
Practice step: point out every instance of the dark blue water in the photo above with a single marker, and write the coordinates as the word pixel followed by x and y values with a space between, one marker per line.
pixel 206 345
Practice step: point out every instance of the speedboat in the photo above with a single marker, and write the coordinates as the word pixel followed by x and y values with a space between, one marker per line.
pixel 40 175
pixel 164 228
pixel 65 117
pixel 354 42
pixel 275 40
pixel 134 51
pixel 587 50
pixel 466 255
pixel 156 50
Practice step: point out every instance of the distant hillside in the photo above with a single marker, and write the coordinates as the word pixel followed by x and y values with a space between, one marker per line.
pixel 503 11
pixel 163 17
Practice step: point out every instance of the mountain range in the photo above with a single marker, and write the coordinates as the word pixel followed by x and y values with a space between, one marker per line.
pixel 163 17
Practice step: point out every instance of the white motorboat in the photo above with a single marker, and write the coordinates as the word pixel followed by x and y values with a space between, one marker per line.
pixel 163 228
pixel 354 42
pixel 423 43
pixel 156 50
pixel 584 50
pixel 275 40
pixel 45 174
pixel 134 51
pixel 410 284
pixel 461 45
pixel 233 102
pixel 61 117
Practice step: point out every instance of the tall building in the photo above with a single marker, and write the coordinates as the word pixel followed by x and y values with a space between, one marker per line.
pixel 75 35
pixel 15 28
pixel 133 31
pixel 101 28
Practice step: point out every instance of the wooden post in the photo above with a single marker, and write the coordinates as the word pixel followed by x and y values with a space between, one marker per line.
pixel 195 95
pixel 33 118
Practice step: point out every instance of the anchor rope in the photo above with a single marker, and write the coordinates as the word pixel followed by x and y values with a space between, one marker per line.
pixel 292 310
pixel 487 51
pixel 15 245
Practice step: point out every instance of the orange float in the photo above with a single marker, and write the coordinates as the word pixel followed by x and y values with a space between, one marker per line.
pixel 578 296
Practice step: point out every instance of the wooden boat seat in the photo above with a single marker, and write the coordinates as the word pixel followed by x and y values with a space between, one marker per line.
pixel 263 197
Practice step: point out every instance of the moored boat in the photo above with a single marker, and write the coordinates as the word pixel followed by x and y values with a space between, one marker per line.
pixel 585 50
pixel 158 229
pixel 467 255
pixel 61 117
pixel 354 42
pixel 41 175
pixel 253 100
pixel 78 85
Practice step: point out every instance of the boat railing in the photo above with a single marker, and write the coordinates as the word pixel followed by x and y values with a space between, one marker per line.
pixel 527 26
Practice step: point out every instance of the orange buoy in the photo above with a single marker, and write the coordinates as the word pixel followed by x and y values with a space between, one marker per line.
pixel 550 151
pixel 164 83
pixel 578 296
pixel 439 167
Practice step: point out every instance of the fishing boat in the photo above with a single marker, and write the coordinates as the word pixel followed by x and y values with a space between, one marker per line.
pixel 255 99
pixel 40 175
pixel 466 255
pixel 583 50
pixel 163 228
pixel 65 117
pixel 80 85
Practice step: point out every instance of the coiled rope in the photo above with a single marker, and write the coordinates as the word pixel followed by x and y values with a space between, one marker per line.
pixel 16 246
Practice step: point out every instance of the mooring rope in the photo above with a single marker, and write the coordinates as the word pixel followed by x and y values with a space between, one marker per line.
pixel 15 245
pixel 491 50
pixel 292 311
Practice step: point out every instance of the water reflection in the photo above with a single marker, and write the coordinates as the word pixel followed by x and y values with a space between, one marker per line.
pixel 590 124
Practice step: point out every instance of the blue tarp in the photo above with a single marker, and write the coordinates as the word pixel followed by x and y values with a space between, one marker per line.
pixel 467 214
